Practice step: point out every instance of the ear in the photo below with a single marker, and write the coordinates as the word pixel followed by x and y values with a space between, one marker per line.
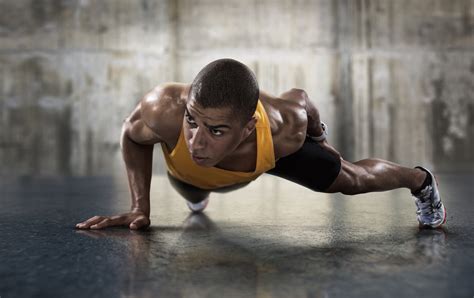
pixel 250 126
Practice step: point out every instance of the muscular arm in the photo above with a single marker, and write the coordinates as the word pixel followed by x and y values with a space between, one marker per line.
pixel 314 126
pixel 301 97
pixel 314 122
pixel 154 120
pixel 136 142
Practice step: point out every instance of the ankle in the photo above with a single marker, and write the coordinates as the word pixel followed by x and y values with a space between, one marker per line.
pixel 420 181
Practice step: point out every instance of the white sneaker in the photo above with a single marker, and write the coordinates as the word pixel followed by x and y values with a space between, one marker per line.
pixel 430 210
pixel 198 207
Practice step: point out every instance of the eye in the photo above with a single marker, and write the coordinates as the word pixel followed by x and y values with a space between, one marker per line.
pixel 216 132
pixel 189 119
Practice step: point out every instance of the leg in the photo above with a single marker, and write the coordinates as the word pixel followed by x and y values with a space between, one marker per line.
pixel 311 166
pixel 374 174
pixel 314 167
pixel 380 175
pixel 195 194
pixel 191 193
pixel 229 188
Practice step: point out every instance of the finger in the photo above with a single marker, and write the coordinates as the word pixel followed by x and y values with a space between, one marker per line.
pixel 110 221
pixel 91 221
pixel 102 224
pixel 140 222
pixel 83 222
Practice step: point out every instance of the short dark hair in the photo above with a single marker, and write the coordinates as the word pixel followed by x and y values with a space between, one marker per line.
pixel 227 83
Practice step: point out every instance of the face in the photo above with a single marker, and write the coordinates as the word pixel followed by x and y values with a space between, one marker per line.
pixel 211 134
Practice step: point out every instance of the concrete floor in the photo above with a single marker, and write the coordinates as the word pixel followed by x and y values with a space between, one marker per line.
pixel 270 239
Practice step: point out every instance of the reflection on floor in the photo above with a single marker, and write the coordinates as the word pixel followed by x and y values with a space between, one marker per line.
pixel 269 239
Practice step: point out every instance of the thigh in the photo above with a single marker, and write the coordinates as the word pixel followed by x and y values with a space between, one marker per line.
pixel 195 194
pixel 230 187
pixel 311 166
pixel 189 192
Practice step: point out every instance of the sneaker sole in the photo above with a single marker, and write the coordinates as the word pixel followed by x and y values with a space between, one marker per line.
pixel 444 208
pixel 200 210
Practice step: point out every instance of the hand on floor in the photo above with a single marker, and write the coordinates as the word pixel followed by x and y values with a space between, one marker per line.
pixel 134 220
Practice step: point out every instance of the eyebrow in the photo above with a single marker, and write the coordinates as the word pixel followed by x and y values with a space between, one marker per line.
pixel 207 125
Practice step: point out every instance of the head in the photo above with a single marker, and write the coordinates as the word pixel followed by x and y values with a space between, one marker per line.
pixel 220 110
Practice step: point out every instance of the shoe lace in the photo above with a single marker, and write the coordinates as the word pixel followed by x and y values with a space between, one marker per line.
pixel 425 193
pixel 424 207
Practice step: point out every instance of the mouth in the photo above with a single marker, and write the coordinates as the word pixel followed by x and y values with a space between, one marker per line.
pixel 198 159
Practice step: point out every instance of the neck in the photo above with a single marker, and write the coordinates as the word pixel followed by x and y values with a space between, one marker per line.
pixel 245 146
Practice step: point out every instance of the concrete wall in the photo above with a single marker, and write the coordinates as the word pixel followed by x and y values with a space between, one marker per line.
pixel 393 79
pixel 71 71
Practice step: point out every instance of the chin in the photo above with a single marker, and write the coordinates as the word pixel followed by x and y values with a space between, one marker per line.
pixel 209 164
pixel 204 163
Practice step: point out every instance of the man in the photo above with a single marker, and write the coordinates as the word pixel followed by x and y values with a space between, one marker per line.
pixel 221 132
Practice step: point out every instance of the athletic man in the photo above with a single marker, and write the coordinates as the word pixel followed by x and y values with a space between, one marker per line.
pixel 221 132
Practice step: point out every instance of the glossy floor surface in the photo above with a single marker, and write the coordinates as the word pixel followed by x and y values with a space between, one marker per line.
pixel 269 239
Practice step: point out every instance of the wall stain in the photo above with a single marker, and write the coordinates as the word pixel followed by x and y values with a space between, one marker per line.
pixel 89 149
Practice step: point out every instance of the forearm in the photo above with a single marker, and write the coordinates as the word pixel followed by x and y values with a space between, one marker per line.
pixel 138 160
pixel 314 121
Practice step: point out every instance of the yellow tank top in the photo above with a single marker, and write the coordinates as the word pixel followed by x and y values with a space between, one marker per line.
pixel 182 167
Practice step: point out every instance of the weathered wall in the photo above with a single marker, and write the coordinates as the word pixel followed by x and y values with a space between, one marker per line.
pixel 393 79
pixel 71 71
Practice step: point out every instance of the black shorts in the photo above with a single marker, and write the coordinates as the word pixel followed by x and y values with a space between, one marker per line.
pixel 311 166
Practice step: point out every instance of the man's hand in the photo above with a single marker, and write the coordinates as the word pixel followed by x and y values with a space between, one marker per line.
pixel 134 220
pixel 330 148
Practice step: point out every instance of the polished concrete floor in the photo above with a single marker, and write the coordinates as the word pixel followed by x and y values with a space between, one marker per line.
pixel 270 239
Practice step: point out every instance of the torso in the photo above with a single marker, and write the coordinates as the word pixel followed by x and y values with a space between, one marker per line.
pixel 287 118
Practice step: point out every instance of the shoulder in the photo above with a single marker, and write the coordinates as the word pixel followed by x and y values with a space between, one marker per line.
pixel 288 120
pixel 162 109
pixel 280 108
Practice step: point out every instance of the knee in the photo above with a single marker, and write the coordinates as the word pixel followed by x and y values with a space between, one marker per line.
pixel 195 197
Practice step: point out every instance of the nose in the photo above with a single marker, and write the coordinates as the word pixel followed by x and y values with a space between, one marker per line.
pixel 198 140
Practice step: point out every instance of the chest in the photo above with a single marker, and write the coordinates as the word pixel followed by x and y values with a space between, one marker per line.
pixel 242 160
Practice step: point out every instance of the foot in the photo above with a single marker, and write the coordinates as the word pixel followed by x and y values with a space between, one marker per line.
pixel 430 210
pixel 198 207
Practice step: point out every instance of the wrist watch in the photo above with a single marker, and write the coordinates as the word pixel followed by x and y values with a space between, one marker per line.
pixel 323 136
